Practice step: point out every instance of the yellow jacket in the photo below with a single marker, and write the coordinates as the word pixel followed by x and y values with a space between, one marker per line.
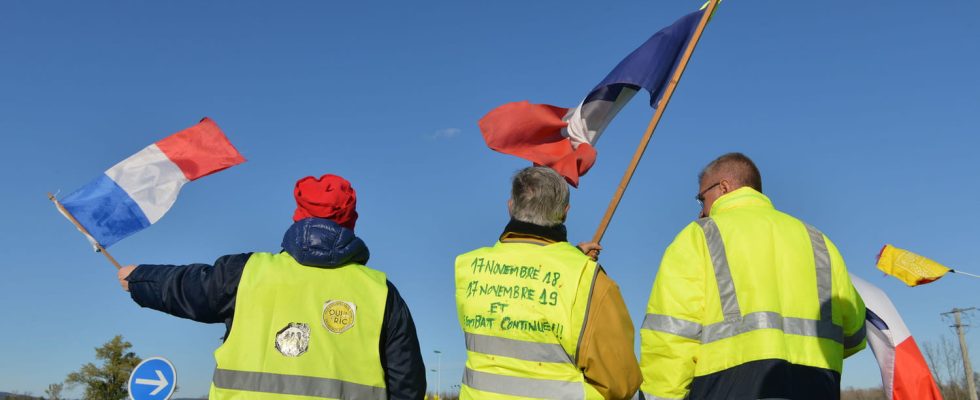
pixel 578 342
pixel 303 332
pixel 749 303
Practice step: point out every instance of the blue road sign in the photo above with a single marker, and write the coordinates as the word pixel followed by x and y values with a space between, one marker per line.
pixel 154 379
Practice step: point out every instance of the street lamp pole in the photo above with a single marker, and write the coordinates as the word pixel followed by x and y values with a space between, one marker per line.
pixel 438 373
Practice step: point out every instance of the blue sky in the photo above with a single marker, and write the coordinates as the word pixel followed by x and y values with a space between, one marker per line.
pixel 862 116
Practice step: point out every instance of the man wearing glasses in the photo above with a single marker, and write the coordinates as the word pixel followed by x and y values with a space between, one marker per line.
pixel 749 302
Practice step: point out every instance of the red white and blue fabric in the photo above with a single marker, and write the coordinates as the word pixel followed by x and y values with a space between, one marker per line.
pixel 904 372
pixel 136 192
pixel 563 138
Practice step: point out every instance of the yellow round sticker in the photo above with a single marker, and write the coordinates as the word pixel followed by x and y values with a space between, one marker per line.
pixel 339 315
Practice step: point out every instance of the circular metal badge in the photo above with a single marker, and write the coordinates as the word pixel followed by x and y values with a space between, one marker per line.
pixel 293 340
pixel 339 315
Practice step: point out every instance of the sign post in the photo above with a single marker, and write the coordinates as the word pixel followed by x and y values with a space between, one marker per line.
pixel 153 379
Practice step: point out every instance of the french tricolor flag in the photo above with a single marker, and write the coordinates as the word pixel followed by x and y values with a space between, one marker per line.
pixel 136 192
pixel 904 372
pixel 563 138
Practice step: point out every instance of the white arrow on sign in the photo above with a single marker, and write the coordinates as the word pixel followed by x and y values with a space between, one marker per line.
pixel 160 382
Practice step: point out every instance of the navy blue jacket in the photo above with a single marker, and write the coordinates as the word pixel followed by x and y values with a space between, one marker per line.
pixel 206 293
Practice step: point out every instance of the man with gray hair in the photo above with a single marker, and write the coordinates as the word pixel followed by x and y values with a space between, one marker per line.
pixel 540 317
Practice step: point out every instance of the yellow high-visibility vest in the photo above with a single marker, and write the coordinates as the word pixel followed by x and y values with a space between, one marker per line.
pixel 522 307
pixel 747 283
pixel 303 331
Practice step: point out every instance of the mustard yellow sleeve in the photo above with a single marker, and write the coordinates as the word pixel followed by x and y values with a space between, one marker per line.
pixel 847 303
pixel 672 327
pixel 607 356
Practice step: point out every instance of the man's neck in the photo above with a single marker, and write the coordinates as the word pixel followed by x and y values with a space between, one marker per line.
pixel 519 230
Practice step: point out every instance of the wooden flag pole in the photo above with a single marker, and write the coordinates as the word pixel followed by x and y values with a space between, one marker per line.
pixel 653 122
pixel 82 228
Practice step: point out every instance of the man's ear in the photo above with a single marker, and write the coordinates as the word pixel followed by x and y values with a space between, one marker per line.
pixel 510 206
pixel 725 186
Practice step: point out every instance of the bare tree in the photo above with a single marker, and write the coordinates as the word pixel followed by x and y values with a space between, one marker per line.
pixel 946 363
pixel 54 391
pixel 21 396
pixel 931 353
pixel 851 393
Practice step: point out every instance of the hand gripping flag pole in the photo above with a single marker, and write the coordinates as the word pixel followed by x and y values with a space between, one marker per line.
pixel 98 247
pixel 624 183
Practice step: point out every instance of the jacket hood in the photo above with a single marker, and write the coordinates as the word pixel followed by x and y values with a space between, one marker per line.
pixel 319 242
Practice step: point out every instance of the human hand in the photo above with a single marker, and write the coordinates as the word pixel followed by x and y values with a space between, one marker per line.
pixel 590 249
pixel 123 273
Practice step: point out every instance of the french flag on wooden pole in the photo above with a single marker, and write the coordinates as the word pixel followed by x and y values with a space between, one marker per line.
pixel 564 139
pixel 136 192
pixel 904 372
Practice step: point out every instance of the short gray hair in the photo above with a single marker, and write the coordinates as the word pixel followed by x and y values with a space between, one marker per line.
pixel 539 196
pixel 735 166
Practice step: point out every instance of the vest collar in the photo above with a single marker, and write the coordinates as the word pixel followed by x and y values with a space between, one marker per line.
pixel 520 231
pixel 741 197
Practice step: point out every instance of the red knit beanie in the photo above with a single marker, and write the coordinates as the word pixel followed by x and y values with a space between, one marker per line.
pixel 329 197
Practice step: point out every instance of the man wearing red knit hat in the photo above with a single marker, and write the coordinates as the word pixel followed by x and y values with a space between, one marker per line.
pixel 311 320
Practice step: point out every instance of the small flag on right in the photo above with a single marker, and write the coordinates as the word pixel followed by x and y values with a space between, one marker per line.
pixel 909 267
pixel 912 268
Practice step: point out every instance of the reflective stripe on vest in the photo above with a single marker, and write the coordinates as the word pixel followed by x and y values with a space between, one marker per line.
pixel 523 387
pixel 855 339
pixel 519 349
pixel 649 396
pixel 735 323
pixel 295 385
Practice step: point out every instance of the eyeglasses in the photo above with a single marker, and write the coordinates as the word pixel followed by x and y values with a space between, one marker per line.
pixel 700 196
